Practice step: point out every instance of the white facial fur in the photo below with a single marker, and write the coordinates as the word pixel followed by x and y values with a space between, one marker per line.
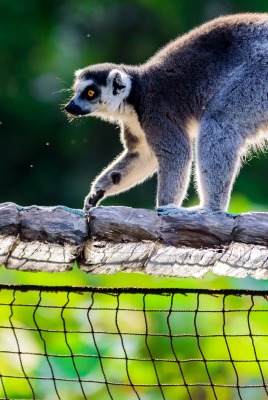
pixel 111 103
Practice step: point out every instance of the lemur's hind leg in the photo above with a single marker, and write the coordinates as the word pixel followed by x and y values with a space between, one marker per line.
pixel 217 165
pixel 173 150
pixel 233 117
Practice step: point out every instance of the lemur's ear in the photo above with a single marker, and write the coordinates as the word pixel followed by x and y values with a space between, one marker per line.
pixel 120 81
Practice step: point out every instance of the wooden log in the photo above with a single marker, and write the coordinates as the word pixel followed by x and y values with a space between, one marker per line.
pixel 181 229
pixel 252 228
pixel 237 260
pixel 120 224
pixel 41 238
pixel 9 229
pixel 112 239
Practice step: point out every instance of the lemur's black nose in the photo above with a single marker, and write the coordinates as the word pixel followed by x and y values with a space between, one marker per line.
pixel 73 108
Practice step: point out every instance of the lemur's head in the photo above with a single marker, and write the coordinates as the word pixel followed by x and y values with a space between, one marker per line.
pixel 100 90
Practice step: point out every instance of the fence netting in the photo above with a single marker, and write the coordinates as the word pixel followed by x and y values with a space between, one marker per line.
pixel 125 343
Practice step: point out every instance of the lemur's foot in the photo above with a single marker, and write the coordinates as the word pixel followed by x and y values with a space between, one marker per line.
pixel 92 199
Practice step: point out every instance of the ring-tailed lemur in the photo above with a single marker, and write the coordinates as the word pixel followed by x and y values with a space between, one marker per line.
pixel 209 86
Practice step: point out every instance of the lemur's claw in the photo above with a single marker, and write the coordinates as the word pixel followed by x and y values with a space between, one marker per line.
pixel 93 199
pixel 87 206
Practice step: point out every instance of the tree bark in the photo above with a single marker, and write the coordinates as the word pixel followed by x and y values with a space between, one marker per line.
pixel 112 239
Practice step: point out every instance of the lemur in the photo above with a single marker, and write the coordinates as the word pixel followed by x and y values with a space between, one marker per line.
pixel 207 90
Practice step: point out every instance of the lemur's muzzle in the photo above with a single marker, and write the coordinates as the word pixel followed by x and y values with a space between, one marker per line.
pixel 73 109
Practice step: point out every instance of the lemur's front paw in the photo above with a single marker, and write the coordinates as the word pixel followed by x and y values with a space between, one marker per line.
pixel 93 198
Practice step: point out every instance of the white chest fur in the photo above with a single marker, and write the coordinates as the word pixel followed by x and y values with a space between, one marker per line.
pixel 142 145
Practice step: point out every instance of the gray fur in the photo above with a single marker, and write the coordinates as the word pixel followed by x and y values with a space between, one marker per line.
pixel 216 78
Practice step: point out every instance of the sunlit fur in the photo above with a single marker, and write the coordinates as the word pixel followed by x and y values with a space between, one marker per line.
pixel 201 98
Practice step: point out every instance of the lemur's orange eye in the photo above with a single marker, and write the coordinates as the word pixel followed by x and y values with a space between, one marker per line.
pixel 90 93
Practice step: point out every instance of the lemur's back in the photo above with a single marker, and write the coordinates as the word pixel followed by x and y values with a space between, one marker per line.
pixel 200 61
pixel 240 32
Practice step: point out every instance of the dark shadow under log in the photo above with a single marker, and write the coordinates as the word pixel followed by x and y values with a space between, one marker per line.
pixel 111 239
